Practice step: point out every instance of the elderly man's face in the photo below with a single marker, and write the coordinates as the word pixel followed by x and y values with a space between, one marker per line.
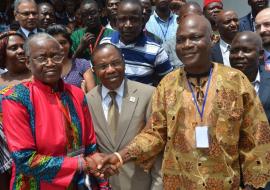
pixel 46 16
pixel 263 27
pixel 27 15
pixel 129 22
pixel 245 54
pixel 193 41
pixel 45 61
pixel 228 24
pixel 109 67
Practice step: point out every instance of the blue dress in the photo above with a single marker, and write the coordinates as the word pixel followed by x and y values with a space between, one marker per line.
pixel 75 75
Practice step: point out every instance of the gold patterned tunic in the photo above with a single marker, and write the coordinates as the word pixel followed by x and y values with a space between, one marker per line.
pixel 239 134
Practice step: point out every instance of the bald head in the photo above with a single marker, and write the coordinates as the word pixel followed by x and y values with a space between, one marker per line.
pixel 38 38
pixel 190 8
pixel 196 21
pixel 263 13
pixel 248 36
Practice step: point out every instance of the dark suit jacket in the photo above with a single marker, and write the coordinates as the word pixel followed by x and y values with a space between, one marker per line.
pixel 264 91
pixel 245 23
pixel 21 32
pixel 216 54
pixel 135 111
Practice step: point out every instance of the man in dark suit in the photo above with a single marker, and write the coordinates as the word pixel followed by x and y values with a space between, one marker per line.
pixel 246 53
pixel 26 13
pixel 247 23
pixel 228 26
pixel 120 109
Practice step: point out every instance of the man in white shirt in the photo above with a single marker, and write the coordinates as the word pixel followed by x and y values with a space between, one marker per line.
pixel 26 13
pixel 228 26
pixel 120 109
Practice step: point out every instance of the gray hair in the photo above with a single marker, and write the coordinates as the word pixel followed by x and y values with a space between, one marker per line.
pixel 37 38
pixel 18 2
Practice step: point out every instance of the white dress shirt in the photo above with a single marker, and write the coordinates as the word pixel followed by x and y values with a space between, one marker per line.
pixel 256 83
pixel 225 51
pixel 26 32
pixel 2 71
pixel 106 99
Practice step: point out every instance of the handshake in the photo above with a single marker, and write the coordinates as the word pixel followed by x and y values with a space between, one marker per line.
pixel 101 165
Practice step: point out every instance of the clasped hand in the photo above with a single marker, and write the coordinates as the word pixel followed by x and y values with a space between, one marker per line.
pixel 102 165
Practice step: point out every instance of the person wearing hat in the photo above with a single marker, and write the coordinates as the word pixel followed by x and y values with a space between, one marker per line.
pixel 211 8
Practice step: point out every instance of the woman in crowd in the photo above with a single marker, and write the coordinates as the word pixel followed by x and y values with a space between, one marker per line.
pixel 48 125
pixel 13 59
pixel 75 71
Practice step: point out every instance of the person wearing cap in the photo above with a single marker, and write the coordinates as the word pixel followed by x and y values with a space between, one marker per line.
pixel 247 23
pixel 211 8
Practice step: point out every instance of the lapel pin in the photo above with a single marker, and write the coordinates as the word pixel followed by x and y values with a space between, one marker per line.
pixel 132 99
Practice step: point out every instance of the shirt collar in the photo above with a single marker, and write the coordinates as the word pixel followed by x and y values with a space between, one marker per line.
pixel 252 17
pixel 140 41
pixel 26 32
pixel 119 91
pixel 257 79
pixel 157 17
pixel 223 46
pixel 266 54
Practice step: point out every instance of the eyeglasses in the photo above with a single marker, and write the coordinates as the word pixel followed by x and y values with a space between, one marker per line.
pixel 44 60
pixel 28 13
pixel 106 66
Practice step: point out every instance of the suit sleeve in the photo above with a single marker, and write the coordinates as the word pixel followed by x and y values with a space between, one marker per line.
pixel 58 170
pixel 254 142
pixel 100 183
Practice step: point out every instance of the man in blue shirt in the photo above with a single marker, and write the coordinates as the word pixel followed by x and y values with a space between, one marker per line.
pixel 162 23
pixel 146 61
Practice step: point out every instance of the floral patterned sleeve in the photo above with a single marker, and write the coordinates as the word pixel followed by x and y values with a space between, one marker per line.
pixel 152 139
pixel 254 142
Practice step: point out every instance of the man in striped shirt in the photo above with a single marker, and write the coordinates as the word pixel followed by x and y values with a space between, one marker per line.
pixel 146 61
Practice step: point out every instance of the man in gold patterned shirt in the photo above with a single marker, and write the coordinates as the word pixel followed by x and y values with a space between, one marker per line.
pixel 207 119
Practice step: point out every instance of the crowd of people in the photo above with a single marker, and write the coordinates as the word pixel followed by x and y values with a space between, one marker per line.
pixel 134 94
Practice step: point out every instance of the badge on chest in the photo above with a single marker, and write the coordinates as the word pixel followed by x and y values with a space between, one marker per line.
pixel 202 136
